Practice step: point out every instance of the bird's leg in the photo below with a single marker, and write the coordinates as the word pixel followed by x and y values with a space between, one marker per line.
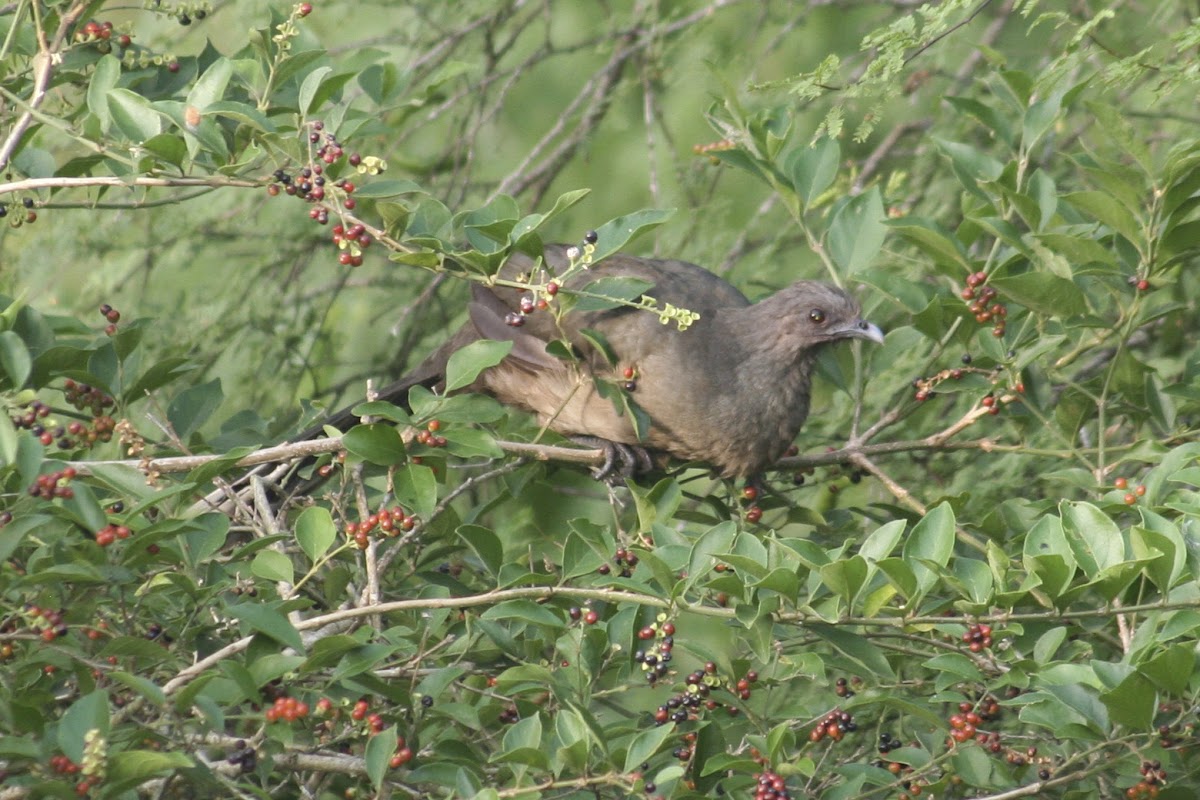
pixel 620 460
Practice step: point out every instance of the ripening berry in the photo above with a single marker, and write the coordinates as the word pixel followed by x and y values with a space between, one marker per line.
pixel 1121 483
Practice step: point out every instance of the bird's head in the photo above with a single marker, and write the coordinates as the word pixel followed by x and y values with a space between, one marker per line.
pixel 810 313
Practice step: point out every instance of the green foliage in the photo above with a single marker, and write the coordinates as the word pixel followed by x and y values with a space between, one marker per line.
pixel 980 577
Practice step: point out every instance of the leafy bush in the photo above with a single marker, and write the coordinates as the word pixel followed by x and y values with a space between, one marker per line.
pixel 977 577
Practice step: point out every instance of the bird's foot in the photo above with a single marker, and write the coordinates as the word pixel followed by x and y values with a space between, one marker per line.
pixel 620 460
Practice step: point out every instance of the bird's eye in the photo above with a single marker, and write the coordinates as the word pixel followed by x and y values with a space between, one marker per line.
pixel 817 316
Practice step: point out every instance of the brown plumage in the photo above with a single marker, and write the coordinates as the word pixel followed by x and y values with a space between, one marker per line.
pixel 731 390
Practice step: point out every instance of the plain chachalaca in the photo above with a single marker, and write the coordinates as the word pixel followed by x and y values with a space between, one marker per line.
pixel 732 390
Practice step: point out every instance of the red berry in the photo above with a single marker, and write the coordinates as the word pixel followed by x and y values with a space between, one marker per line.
pixel 305 9
pixel 591 617
pixel 1143 285
pixel 753 514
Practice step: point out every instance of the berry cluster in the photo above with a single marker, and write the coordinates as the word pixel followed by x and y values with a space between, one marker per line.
pixel 985 310
pixel 87 398
pixel 243 756
pixel 30 215
pixel 589 617
pixel 429 437
pixel 977 637
pixel 624 559
pixel 539 300
pixel 1121 484
pixel 47 622
pixel 61 765
pixel 964 725
pixel 312 185
pixel 770 786
pixel 655 658
pixel 361 712
pixel 287 709
pixel 112 316
pixel 391 522
pixel 1153 777
pixel 111 533
pixel 54 484
pixel 753 511
pixel 834 725
pixel 351 241
pixel 698 687
pixel 841 687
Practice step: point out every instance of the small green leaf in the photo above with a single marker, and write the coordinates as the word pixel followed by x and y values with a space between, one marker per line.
pixel 487 546
pixel 605 293
pixel 192 407
pixel 616 233
pixel 857 232
pixel 315 532
pixel 210 87
pixel 466 363
pixel 308 89
pixel 15 358
pixel 268 621
pixel 88 713
pixel 272 565
pixel 378 443
pixel 378 755
pixel 131 767
pixel 645 744
pixel 133 115
pixel 812 169
pixel 105 75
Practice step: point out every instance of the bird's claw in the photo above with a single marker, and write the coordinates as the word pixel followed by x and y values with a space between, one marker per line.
pixel 620 460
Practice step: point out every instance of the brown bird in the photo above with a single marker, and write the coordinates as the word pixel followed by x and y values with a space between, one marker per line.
pixel 731 390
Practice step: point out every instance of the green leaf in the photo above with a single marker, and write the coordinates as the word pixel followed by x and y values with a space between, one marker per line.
pixel 308 89
pixel 1173 668
pixel 857 648
pixel 1042 293
pixel 467 362
pixel 1095 539
pixel 1103 207
pixel 616 233
pixel 210 87
pixel 378 443
pixel 268 621
pixel 192 407
pixel 486 544
pixel 605 293
pixel 812 169
pixel 88 713
pixel 143 686
pixel 1132 702
pixel 272 566
pixel 105 75
pixel 15 358
pixel 416 489
pixel 932 540
pixel 382 409
pixel 388 188
pixel 857 231
pixel 845 577
pixel 378 755
pixel 645 744
pixel 315 532
pixel 133 115
pixel 131 767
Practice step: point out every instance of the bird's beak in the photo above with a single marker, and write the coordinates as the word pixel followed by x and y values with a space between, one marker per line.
pixel 861 329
